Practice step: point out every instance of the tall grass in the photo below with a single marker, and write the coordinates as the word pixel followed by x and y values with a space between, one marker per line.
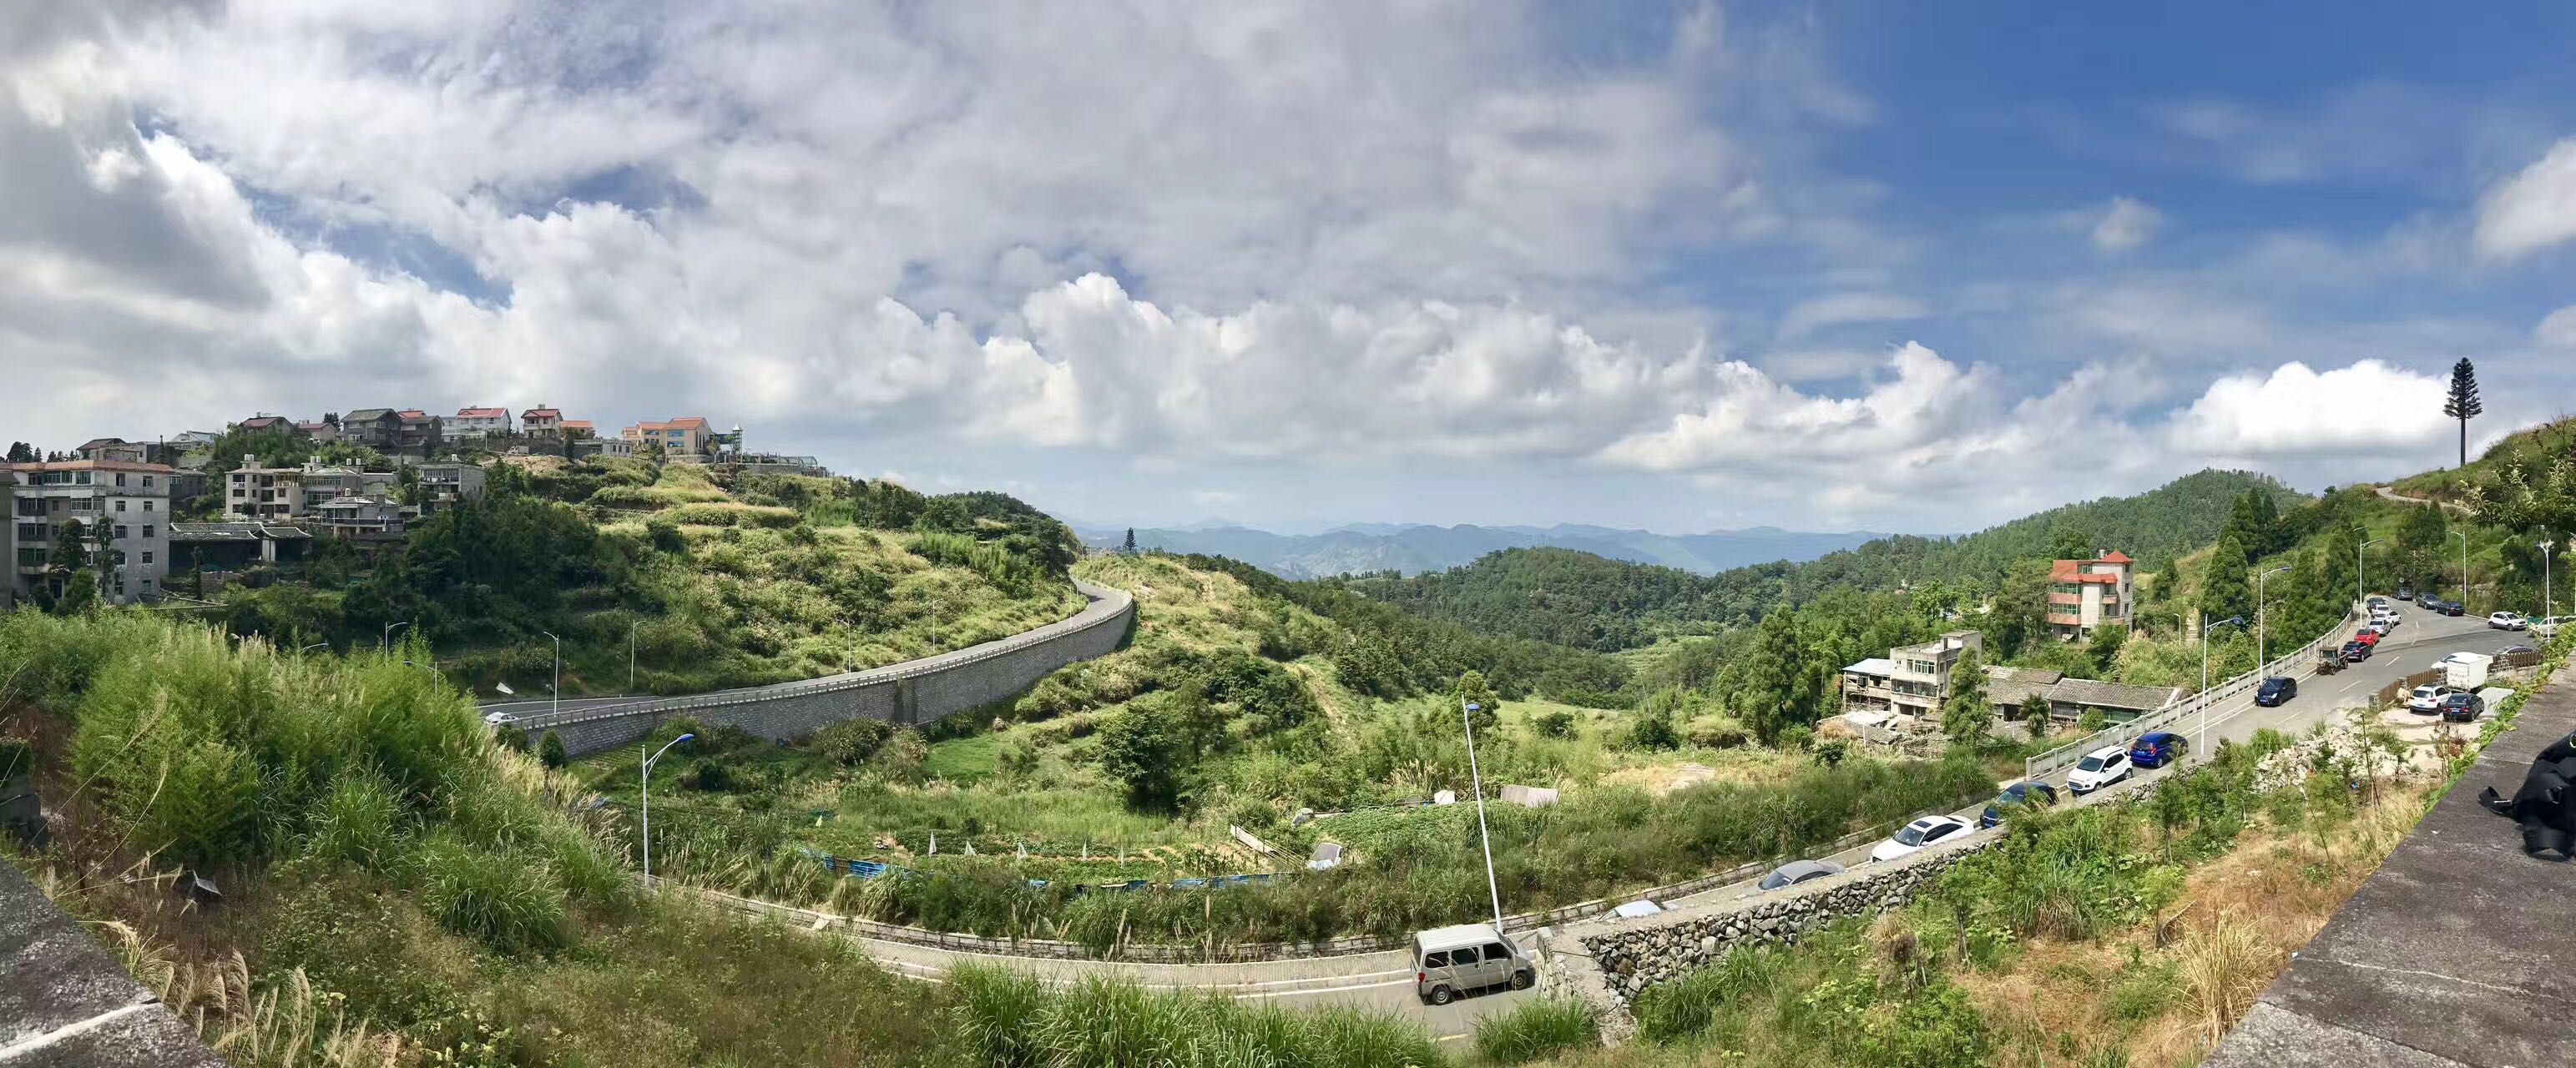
pixel 1538 1029
pixel 1013 1021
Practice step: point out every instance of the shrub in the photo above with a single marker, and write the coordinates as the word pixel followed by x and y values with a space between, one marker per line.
pixel 357 823
pixel 850 742
pixel 1555 723
pixel 1537 1029
pixel 550 751
pixel 509 903
pixel 1652 728
pixel 997 1011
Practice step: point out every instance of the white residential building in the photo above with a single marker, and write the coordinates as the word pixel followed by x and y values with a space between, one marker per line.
pixel 480 423
pixel 123 514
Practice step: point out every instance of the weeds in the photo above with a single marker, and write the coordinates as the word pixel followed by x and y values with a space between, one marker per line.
pixel 1538 1029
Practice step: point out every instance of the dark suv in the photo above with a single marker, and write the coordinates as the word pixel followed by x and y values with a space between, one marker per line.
pixel 2020 793
pixel 2463 708
pixel 2276 690
pixel 2406 591
pixel 2355 652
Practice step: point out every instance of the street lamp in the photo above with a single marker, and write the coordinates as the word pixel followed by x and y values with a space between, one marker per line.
pixel 2464 568
pixel 1476 781
pixel 2201 737
pixel 2548 608
pixel 630 654
pixel 2262 616
pixel 386 640
pixel 2360 595
pixel 648 804
pixel 310 648
pixel 557 707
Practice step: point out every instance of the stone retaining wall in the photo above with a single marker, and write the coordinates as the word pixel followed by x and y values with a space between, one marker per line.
pixel 906 694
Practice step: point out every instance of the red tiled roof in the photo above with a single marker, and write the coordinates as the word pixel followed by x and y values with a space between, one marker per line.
pixel 2072 571
pixel 547 412
pixel 412 413
pixel 577 424
pixel 481 413
pixel 2115 556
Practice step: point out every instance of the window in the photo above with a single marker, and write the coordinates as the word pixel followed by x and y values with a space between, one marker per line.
pixel 1494 951
pixel 1463 956
pixel 120 478
pixel 1435 960
pixel 123 533
pixel 120 504
pixel 147 557
pixel 147 482
pixel 147 506
pixel 147 531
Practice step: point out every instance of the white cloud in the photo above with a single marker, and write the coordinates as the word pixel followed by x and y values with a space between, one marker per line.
pixel 2294 411
pixel 2558 329
pixel 1808 316
pixel 2128 224
pixel 2532 210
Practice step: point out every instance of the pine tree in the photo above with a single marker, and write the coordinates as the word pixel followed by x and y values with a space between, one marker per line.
pixel 2225 591
pixel 2463 402
pixel 1473 690
pixel 550 751
pixel 1775 691
pixel 1131 541
pixel 1967 717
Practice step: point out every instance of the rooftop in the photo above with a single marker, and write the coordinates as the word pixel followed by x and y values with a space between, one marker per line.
pixel 1876 665
pixel 2120 695
pixel 91 465
pixel 482 413
pixel 2454 953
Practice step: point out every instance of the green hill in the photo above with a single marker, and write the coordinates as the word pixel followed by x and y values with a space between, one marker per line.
pixel 1584 601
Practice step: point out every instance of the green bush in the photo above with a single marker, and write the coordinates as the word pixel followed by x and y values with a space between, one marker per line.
pixel 997 1012
pixel 550 751
pixel 1537 1029
pixel 358 823
pixel 850 742
pixel 1012 1021
pixel 507 902
pixel 1556 723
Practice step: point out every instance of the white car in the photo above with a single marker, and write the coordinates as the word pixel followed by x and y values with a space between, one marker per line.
pixel 2507 621
pixel 2545 629
pixel 2427 699
pixel 2386 618
pixel 1918 834
pixel 2098 769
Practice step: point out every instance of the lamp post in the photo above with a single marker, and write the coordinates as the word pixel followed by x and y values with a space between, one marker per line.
pixel 1476 781
pixel 648 804
pixel 630 654
pixel 2464 568
pixel 310 648
pixel 2201 737
pixel 2359 595
pixel 556 708
pixel 2262 618
pixel 385 641
pixel 2548 607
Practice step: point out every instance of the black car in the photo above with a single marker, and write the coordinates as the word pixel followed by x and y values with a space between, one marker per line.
pixel 2355 652
pixel 2463 708
pixel 2276 690
pixel 2020 793
pixel 2451 608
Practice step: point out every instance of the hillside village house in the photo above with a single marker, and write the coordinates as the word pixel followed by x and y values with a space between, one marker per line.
pixel 2119 702
pixel 603 447
pixel 541 422
pixel 123 509
pixel 684 436
pixel 280 494
pixel 1911 680
pixel 1904 690
pixel 2086 595
pixel 444 484
pixel 257 423
pixel 481 423
pixel 321 432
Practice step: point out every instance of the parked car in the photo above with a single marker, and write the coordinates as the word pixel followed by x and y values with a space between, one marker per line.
pixel 2377 603
pixel 2355 652
pixel 1918 834
pixel 2452 608
pixel 2427 699
pixel 2406 591
pixel 2156 749
pixel 2366 636
pixel 2463 708
pixel 2275 691
pixel 2545 629
pixel 2020 793
pixel 1797 871
pixel 1466 958
pixel 2098 769
pixel 2427 599
pixel 2513 649
pixel 2507 620
pixel 2386 619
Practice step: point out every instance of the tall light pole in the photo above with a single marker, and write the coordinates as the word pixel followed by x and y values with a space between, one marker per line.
pixel 630 654
pixel 557 707
pixel 2464 568
pixel 2360 595
pixel 2201 737
pixel 2262 617
pixel 2548 607
pixel 648 804
pixel 385 641
pixel 310 648
pixel 1476 781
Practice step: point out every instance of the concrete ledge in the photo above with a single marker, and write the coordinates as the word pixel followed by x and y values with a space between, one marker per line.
pixel 65 1001
pixel 2457 951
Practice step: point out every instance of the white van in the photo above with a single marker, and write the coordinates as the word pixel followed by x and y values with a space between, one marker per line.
pixel 1456 960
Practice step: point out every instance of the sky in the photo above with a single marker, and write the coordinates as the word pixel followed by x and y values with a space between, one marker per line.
pixel 1683 266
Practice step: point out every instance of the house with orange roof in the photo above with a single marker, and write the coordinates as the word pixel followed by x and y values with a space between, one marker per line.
pixel 2087 595
pixel 684 436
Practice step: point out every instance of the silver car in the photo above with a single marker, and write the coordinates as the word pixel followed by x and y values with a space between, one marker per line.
pixel 1451 961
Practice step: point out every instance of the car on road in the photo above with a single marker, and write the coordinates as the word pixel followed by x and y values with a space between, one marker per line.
pixel 2406 591
pixel 2377 603
pixel 2511 650
pixel 2275 691
pixel 2507 620
pixel 2386 619
pixel 1913 836
pixel 496 719
pixel 1450 961
pixel 2545 629
pixel 1795 872
pixel 2098 769
pixel 2156 749
pixel 2030 792
pixel 2355 652
pixel 2451 608
pixel 2427 699
pixel 2427 599
pixel 2366 636
pixel 2463 708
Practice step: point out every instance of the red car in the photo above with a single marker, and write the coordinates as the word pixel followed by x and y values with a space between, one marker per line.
pixel 2366 636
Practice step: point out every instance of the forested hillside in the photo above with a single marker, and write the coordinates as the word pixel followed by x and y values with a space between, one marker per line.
pixel 1587 602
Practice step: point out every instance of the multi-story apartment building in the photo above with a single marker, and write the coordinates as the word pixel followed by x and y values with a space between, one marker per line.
pixel 610 447
pixel 263 494
pixel 2086 595
pixel 684 436
pixel 445 483
pixel 1911 680
pixel 541 422
pixel 123 514
pixel 481 423
pixel 363 518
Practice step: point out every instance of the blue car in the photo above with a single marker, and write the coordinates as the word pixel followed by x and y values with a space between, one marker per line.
pixel 2020 793
pixel 2156 749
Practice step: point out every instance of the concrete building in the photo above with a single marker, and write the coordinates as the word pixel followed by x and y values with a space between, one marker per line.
pixel 319 431
pixel 123 510
pixel 264 421
pixel 366 518
pixel 1911 680
pixel 324 482
pixel 684 436
pixel 541 422
pixel 419 433
pixel 263 494
pixel 442 484
pixel 481 423
pixel 2119 702
pixel 607 447
pixel 375 428
pixel 223 547
pixel 2086 595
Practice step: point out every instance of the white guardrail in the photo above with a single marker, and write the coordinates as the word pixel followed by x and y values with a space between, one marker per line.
pixel 1101 604
pixel 2290 664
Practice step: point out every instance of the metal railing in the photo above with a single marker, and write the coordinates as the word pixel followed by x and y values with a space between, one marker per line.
pixel 2122 734
pixel 1105 605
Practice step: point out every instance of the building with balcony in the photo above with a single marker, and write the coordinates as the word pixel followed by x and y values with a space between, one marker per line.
pixel 1911 680
pixel 263 494
pixel 368 518
pixel 541 422
pixel 2087 595
pixel 481 423
pixel 687 435
pixel 442 484
pixel 122 511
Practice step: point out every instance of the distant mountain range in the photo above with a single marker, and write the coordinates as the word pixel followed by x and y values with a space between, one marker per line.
pixel 1412 549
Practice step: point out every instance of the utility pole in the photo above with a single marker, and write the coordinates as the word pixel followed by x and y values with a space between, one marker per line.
pixel 2262 616
pixel 647 781
pixel 2464 569
pixel 2547 607
pixel 2359 594
pixel 1476 781
pixel 630 654
pixel 556 708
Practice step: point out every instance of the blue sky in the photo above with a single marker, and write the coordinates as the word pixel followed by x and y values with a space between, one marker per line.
pixel 1682 266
